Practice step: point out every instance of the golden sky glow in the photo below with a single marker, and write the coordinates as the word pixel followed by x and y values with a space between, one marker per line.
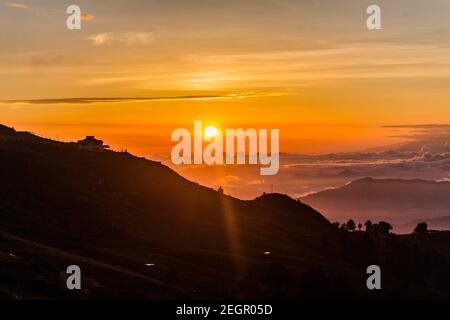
pixel 310 68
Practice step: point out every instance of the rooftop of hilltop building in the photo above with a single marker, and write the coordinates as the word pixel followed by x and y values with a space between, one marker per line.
pixel 90 143
pixel 90 140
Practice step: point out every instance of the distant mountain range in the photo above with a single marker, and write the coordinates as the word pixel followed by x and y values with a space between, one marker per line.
pixel 401 202
pixel 137 229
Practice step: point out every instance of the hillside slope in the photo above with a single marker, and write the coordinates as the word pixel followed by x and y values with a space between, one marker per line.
pixel 139 230
pixel 111 204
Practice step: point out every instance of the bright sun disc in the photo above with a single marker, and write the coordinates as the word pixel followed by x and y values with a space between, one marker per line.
pixel 210 131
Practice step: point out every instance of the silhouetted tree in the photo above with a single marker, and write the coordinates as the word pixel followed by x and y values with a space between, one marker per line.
pixel 344 226
pixel 220 190
pixel 421 228
pixel 351 225
pixel 336 224
pixel 384 227
pixel 359 226
pixel 368 224
pixel 375 228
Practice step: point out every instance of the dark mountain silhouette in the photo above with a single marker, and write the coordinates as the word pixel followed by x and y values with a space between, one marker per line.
pixel 139 230
pixel 396 200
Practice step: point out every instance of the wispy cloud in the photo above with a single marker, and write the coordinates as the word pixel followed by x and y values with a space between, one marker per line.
pixel 123 38
pixel 135 99
pixel 419 126
pixel 87 16
pixel 16 5
pixel 431 131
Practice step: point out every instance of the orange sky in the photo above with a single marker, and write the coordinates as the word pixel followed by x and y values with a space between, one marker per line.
pixel 309 68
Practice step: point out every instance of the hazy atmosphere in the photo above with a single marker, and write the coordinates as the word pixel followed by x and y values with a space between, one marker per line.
pixel 104 168
pixel 310 68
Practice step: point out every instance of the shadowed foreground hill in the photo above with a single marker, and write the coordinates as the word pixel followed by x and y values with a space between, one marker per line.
pixel 139 230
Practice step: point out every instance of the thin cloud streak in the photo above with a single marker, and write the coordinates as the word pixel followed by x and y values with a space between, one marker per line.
pixel 430 131
pixel 87 16
pixel 418 126
pixel 16 5
pixel 136 99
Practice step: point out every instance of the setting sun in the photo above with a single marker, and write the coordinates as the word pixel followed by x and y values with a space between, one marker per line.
pixel 211 131
pixel 263 154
